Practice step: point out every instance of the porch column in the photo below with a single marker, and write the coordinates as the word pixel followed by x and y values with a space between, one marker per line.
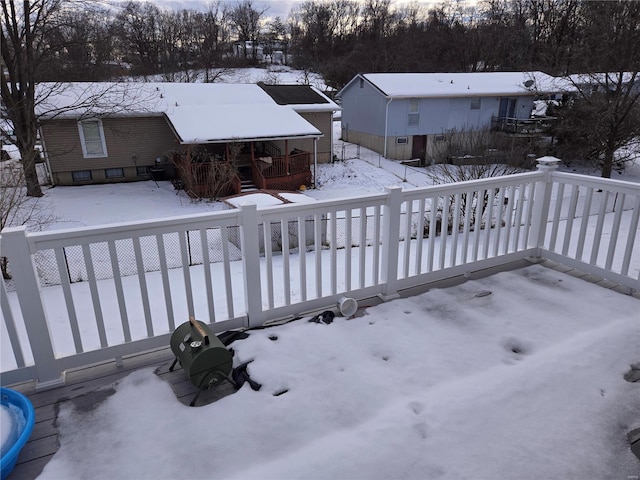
pixel 315 160
pixel 286 155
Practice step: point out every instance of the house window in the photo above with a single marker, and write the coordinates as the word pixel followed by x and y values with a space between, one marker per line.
pixel 439 138
pixel 81 175
pixel 92 138
pixel 402 140
pixel 142 171
pixel 414 104
pixel 476 102
pixel 413 119
pixel 114 172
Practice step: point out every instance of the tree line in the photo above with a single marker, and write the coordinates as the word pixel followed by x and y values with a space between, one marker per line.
pixel 339 38
pixel 83 40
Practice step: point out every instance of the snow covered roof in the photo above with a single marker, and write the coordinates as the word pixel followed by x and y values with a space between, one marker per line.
pixel 198 112
pixel 225 123
pixel 398 85
pixel 573 83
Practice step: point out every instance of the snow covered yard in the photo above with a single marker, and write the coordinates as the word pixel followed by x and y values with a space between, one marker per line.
pixel 518 375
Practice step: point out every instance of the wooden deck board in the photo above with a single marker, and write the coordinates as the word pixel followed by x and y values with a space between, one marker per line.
pixel 87 387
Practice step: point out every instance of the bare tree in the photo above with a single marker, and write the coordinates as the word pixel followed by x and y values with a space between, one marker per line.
pixel 246 19
pixel 86 45
pixel 16 208
pixel 604 113
pixel 205 177
pixel 24 32
pixel 465 155
pixel 138 33
pixel 601 118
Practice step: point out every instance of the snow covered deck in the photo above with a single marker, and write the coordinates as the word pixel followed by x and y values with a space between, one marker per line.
pixel 85 296
pixel 87 388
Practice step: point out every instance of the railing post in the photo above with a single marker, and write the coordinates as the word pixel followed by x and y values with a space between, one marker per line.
pixel 250 242
pixel 541 203
pixel 16 248
pixel 390 243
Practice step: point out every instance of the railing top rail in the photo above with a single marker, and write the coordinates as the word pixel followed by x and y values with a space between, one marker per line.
pixel 324 206
pixel 517 119
pixel 472 185
pixel 101 233
pixel 619 186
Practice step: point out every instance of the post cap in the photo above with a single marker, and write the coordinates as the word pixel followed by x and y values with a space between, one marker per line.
pixel 548 163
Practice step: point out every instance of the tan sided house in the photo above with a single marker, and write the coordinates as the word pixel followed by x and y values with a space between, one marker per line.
pixel 115 132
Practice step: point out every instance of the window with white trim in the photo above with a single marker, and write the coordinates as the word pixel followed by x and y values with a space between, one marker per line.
pixel 92 138
pixel 476 103
pixel 402 140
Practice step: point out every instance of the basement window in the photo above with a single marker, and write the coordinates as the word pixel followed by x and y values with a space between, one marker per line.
pixel 439 138
pixel 402 140
pixel 142 171
pixel 114 172
pixel 81 175
pixel 92 138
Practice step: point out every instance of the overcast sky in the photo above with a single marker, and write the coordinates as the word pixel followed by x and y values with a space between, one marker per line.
pixel 274 8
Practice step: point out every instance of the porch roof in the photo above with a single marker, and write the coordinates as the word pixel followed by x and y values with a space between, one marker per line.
pixel 226 123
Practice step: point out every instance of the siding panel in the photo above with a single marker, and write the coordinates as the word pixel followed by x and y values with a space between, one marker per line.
pixel 323 122
pixel 131 142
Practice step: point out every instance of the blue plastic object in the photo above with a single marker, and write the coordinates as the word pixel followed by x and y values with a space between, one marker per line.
pixel 18 400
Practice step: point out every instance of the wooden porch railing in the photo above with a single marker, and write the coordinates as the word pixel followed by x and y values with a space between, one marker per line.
pixel 531 126
pixel 121 289
pixel 284 172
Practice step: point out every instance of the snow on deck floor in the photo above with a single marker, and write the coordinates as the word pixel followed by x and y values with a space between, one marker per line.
pixel 524 382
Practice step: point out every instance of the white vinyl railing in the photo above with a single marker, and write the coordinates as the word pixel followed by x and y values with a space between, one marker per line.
pixel 82 296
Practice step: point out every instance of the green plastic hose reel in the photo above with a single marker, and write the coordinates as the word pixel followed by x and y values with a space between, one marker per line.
pixel 203 357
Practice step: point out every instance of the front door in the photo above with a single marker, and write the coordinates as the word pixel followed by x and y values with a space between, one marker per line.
pixel 419 147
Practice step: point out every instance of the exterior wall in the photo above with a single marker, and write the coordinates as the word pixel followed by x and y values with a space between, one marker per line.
pixel 367 140
pixel 438 115
pixel 131 143
pixel 323 121
pixel 363 110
